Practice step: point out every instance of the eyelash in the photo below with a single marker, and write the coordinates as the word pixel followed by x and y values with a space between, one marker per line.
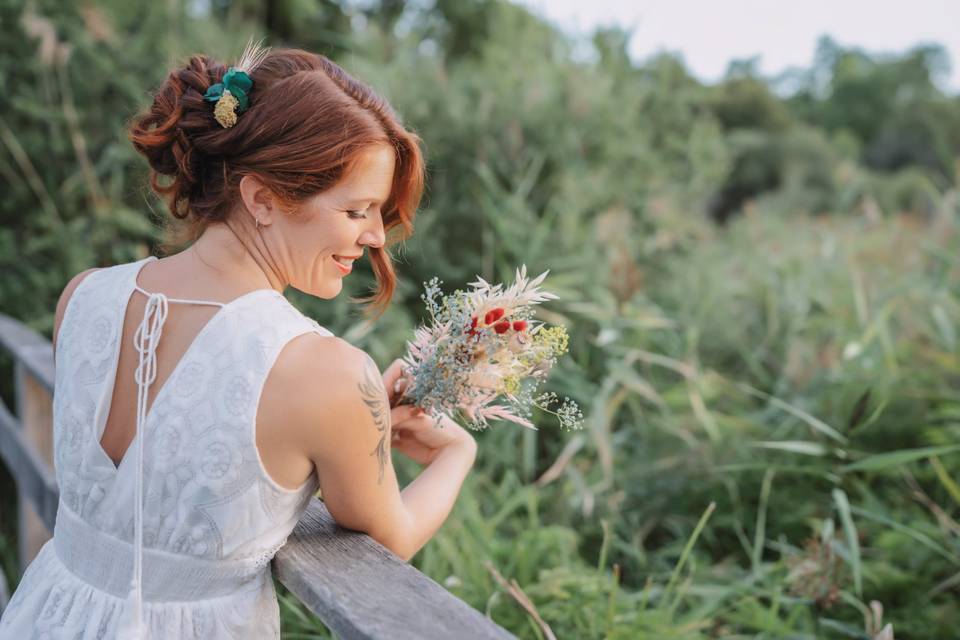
pixel 356 215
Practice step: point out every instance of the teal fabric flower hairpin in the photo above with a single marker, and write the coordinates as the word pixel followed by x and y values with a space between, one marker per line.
pixel 231 96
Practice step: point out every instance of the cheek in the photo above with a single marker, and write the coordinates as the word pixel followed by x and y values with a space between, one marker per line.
pixel 315 238
pixel 320 257
pixel 340 238
pixel 314 245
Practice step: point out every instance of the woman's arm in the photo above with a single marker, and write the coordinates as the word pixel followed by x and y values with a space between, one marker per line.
pixel 343 418
pixel 432 493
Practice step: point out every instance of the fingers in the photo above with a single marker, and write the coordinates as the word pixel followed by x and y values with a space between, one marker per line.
pixel 393 375
pixel 409 418
pixel 394 371
pixel 403 413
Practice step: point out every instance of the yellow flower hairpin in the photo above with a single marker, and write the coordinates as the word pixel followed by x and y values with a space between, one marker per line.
pixel 231 94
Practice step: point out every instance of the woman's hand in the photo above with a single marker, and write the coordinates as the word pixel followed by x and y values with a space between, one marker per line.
pixel 421 440
pixel 414 432
pixel 394 381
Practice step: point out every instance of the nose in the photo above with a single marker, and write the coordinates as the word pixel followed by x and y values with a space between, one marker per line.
pixel 374 236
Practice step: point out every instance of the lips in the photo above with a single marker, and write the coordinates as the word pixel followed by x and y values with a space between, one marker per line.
pixel 344 264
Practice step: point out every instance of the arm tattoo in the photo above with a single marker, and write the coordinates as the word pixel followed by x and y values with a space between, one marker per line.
pixel 375 397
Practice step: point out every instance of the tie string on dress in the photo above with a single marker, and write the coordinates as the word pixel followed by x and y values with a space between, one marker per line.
pixel 146 339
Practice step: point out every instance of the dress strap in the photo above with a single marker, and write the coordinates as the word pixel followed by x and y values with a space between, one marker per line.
pixel 184 300
pixel 145 340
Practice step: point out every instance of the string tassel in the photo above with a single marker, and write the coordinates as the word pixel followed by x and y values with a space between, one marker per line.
pixel 131 625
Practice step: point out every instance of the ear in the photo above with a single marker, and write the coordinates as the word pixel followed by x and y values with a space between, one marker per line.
pixel 257 199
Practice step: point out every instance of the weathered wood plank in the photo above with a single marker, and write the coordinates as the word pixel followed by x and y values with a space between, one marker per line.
pixel 35 411
pixel 361 591
pixel 35 481
pixel 35 415
pixel 4 593
pixel 28 347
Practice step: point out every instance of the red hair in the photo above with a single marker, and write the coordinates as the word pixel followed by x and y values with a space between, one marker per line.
pixel 307 124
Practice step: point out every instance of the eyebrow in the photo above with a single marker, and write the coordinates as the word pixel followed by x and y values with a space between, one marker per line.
pixel 370 199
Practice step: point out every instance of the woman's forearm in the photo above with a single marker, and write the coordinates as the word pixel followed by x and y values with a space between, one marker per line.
pixel 430 497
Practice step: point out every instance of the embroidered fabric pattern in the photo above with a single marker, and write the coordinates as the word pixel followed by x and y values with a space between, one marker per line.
pixel 209 506
pixel 264 557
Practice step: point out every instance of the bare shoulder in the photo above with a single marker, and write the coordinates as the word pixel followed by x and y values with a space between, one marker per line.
pixel 328 381
pixel 326 358
pixel 64 300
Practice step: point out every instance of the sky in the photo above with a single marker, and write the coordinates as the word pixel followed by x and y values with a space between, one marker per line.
pixel 709 34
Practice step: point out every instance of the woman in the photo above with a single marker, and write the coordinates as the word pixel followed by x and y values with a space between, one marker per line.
pixel 184 463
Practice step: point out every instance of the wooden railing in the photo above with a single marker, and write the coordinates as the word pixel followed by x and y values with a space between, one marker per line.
pixel 356 586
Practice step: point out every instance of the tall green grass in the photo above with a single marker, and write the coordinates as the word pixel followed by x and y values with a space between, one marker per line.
pixel 771 446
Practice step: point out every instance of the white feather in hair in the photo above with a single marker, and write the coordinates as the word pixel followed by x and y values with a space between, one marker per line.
pixel 252 56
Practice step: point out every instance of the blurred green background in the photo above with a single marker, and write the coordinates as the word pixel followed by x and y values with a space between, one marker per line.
pixel 762 292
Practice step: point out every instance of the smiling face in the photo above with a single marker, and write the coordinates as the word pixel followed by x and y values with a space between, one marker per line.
pixel 332 229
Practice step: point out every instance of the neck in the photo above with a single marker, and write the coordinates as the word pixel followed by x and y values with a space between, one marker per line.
pixel 220 253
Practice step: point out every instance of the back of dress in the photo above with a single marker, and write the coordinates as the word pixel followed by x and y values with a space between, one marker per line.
pixel 212 517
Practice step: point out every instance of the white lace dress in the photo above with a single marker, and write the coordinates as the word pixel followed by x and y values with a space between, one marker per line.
pixel 211 518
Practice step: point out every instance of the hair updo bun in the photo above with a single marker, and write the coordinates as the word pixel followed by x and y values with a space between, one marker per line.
pixel 171 134
pixel 307 122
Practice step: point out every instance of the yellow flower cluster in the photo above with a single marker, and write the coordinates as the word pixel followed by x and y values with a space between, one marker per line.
pixel 226 109
pixel 554 339
pixel 511 384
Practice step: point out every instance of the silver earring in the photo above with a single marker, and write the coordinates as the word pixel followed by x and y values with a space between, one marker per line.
pixel 259 224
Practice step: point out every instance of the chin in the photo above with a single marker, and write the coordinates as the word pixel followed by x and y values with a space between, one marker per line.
pixel 328 291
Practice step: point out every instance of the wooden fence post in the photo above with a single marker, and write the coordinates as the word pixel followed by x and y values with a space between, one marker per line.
pixel 34 407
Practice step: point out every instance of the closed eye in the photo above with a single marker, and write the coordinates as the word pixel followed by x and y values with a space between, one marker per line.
pixel 356 215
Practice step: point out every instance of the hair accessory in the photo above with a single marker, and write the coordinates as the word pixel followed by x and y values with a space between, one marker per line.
pixel 231 94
